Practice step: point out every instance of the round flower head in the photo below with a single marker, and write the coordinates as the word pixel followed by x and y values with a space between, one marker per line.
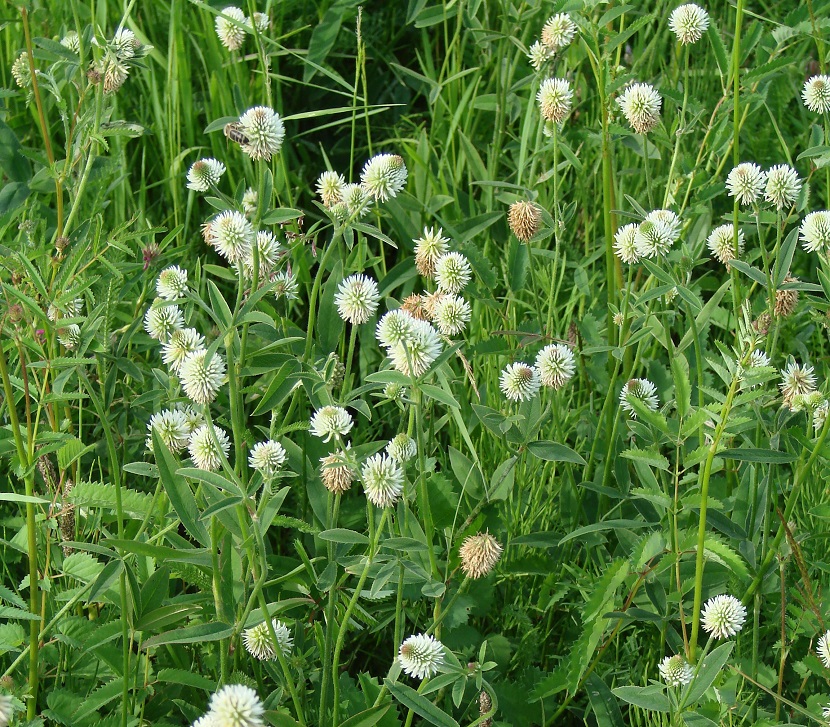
pixel 71 41
pixel 640 104
pixel 356 202
pixel 330 187
pixel 260 645
pixel 452 272
pixel 382 480
pixel 415 305
pixel 331 421
pixel 285 284
pixel 201 378
pixel 815 232
pixel 204 174
pixel 21 71
pixel 336 472
pixel 357 299
pixel 786 300
pixel 783 186
pixel 624 247
pixel 819 418
pixel 556 365
pixel 268 251
pixel 807 402
pixel 6 710
pixel 796 380
pixel 261 22
pixel 124 44
pixel 558 32
pixel 758 359
pixel 816 94
pixel 675 670
pixel 206 720
pixel 524 219
pixel 721 243
pixel 115 73
pixel 236 705
pixel 232 235
pixel 421 656
pixel 642 390
pixel 654 238
pixel 394 328
pixel 451 314
pixel 479 555
pixel 383 176
pixel 689 22
pixel 539 54
pixel 415 355
pixel 172 429
pixel 171 283
pixel 746 183
pixel 203 450
pixel 192 418
pixel 394 391
pixel 723 616
pixel 161 321
pixel 402 448
pixel 428 249
pixel 519 381
pixel 267 458
pixel 555 98
pixel 264 131
pixel 250 200
pixel 669 219
pixel 230 28
pixel 181 344
pixel 70 336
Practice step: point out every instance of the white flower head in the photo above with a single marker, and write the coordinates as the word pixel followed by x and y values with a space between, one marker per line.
pixel 357 299
pixel 181 344
pixel 394 328
pixel 161 321
pixel 555 97
pixel 382 480
pixel 171 283
pixel 115 74
pixel 384 176
pixel 204 451
pixel 556 365
pixel 268 250
pixel 124 44
pixel 452 272
pixel 229 27
pixel 356 202
pixel 642 390
pixel 451 315
pixel 204 174
pixel 21 71
pixel 723 616
pixel 260 645
pixel 172 428
pixel 202 379
pixel 479 554
pixel 250 200
pixel 519 381
pixel 286 285
pixel 261 22
pixel 331 421
pixel 640 104
pixel 401 448
pixel 236 705
pixel 71 41
pixel 654 238
pixel 421 656
pixel 330 186
pixel 193 418
pixel 558 32
pixel 232 235
pixel 264 130
pixel 689 22
pixel 746 183
pixel 624 247
pixel 796 380
pixel 538 54
pixel 676 671
pixel 70 336
pixel 819 418
pixel 816 94
pixel 721 243
pixel 416 354
pixel 428 248
pixel 815 232
pixel 267 458
pixel 783 186
pixel 6 709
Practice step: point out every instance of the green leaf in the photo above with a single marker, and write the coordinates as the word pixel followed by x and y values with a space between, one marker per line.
pixel 212 478
pixel 606 525
pixel 419 704
pixel 652 459
pixel 748 454
pixel 342 535
pixel 554 452
pixel 437 393
pixel 187 678
pixel 606 709
pixel 652 697
pixel 214 631
pixel 707 672
pixel 750 271
pixel 367 717
pixel 720 50
pixel 280 387
pixel 682 386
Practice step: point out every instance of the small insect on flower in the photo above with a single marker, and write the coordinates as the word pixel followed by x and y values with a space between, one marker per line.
pixel 233 131
pixel 428 248
pixel 783 186
pixel 452 272
pixel 204 174
pixel 524 219
pixel 230 27
pixel 206 448
pixel 337 472
pixel 479 554
pixel 171 283
pixel 640 104
pixel 357 299
pixel 161 321
pixel 796 380
pixel 331 421
pixel 421 656
pixel 382 480
pixel 384 176
pixel 676 671
pixel 746 183
pixel 264 132
pixel 172 428
pixel 689 22
pixel 181 344
pixel 816 94
pixel 815 232
pixel 519 381
pixel 558 32
pixel 402 448
pixel 723 616
pixel 414 355
pixel 721 243
pixel 267 458
pixel 624 247
pixel 451 314
pixel 555 97
pixel 556 365
pixel 642 390
pixel 236 705
pixel 330 186
pixel 202 379
pixel 260 645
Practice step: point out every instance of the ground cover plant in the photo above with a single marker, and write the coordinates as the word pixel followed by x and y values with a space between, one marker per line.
pixel 445 363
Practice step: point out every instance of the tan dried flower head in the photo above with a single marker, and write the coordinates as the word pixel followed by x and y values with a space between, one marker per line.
pixel 762 323
pixel 786 300
pixel 336 473
pixel 414 305
pixel 485 704
pixel 428 249
pixel 430 302
pixel 479 555
pixel 524 219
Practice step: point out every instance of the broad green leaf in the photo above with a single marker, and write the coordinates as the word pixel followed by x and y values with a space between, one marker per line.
pixel 652 697
pixel 419 704
pixel 707 672
pixel 554 452
pixel 342 535
pixel 749 454
pixel 214 631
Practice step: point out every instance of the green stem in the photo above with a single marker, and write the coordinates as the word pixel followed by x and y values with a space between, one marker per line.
pixel 315 291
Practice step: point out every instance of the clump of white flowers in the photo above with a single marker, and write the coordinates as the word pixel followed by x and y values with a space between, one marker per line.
pixel 656 234
pixel 172 427
pixel 330 187
pixel 796 380
pixel 181 344
pixel 331 421
pixel 357 299
pixel 162 320
pixel 689 22
pixel 640 104
pixel 402 448
pixel 421 656
pixel 21 71
pixel 417 349
pixel 746 183
pixel 816 94
pixel 723 616
pixel 452 272
pixel 520 381
pixel 384 176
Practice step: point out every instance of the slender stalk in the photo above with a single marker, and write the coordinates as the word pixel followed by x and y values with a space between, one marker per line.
pixel 315 291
